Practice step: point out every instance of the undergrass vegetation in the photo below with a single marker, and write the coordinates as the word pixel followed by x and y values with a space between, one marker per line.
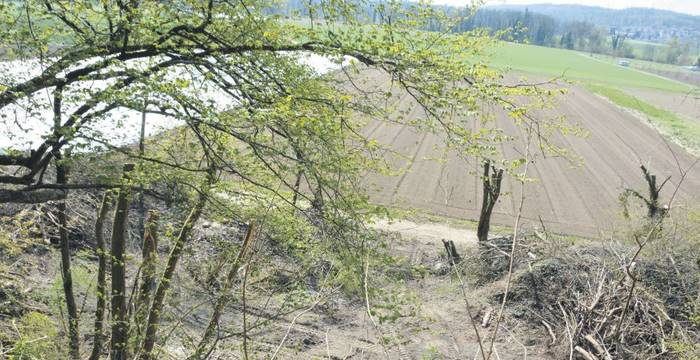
pixel 37 338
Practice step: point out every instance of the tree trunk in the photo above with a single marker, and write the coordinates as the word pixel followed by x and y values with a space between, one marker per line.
pixel 452 254
pixel 492 190
pixel 149 256
pixel 295 196
pixel 72 309
pixel 164 284
pixel 142 150
pixel 208 341
pixel 119 233
pixel 98 336
pixel 61 179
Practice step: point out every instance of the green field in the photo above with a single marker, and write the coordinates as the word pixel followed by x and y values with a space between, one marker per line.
pixel 641 43
pixel 574 65
pixel 639 47
pixel 641 64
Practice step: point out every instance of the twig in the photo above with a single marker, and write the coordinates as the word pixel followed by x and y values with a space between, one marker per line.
pixel 511 261
pixel 487 318
pixel 515 339
pixel 568 332
pixel 599 348
pixel 472 320
pixel 551 333
pixel 369 308
pixel 463 287
pixel 586 355
pixel 291 326
pixel 245 311
pixel 629 268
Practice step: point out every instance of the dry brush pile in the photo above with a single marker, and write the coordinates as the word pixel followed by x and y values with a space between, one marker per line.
pixel 591 309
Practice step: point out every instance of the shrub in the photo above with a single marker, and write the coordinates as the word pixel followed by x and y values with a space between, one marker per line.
pixel 38 337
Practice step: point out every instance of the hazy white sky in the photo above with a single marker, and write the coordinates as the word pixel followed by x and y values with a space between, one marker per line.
pixel 684 6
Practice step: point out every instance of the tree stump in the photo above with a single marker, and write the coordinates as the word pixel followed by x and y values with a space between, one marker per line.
pixel 452 254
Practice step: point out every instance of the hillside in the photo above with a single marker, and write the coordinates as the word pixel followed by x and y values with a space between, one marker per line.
pixel 570 197
pixel 207 180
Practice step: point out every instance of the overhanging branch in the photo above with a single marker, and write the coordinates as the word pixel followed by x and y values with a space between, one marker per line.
pixel 31 197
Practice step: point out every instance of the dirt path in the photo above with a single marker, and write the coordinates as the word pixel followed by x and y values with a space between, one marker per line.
pixel 440 327
pixel 579 200
pixel 428 231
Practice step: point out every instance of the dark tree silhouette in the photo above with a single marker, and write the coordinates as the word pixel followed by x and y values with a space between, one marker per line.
pixel 492 190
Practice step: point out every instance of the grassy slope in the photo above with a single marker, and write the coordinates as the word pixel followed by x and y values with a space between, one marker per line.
pixel 645 65
pixel 575 65
pixel 639 46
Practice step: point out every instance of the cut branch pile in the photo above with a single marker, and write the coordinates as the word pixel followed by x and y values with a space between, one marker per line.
pixel 580 299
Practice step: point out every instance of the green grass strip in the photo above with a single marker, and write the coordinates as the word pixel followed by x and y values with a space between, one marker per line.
pixel 684 132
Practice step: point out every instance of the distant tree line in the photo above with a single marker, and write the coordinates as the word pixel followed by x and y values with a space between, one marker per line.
pixel 525 26
pixel 648 24
pixel 539 29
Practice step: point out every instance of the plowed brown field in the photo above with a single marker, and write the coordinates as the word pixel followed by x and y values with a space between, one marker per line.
pixel 579 200
pixel 686 105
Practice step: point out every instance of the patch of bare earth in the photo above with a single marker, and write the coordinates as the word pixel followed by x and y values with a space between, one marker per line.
pixel 691 78
pixel 440 327
pixel 684 104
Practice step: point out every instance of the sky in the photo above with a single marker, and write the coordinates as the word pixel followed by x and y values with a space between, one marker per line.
pixel 683 6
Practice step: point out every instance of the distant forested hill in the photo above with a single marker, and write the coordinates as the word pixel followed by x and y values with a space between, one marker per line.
pixel 666 36
pixel 641 23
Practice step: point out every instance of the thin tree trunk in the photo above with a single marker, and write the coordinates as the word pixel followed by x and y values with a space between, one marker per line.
pixel 148 270
pixel 119 232
pixel 164 284
pixel 492 190
pixel 207 342
pixel 142 151
pixel 31 197
pixel 317 203
pixel 98 336
pixel 72 309
pixel 297 183
pixel 61 178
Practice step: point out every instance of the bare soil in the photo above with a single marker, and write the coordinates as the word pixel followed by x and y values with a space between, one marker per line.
pixel 692 78
pixel 440 328
pixel 429 231
pixel 686 105
pixel 578 200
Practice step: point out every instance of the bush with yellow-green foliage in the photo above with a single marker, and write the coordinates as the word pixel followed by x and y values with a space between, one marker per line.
pixel 37 338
